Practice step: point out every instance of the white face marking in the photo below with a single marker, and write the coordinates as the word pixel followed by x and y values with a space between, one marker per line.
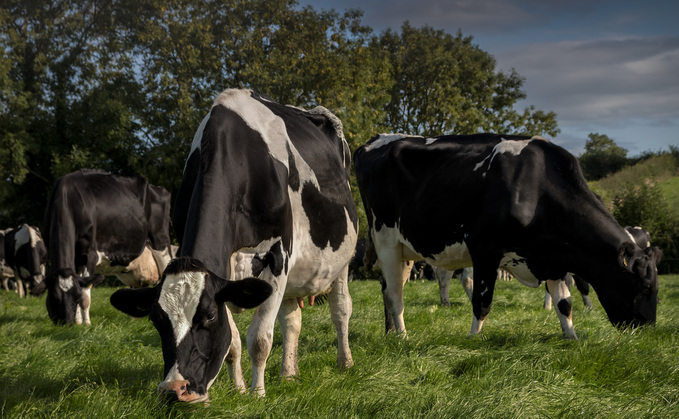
pixel 513 147
pixel 179 298
pixel 65 284
pixel 172 375
pixel 384 139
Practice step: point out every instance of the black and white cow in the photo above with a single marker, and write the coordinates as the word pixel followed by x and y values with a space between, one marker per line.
pixel 265 193
pixel 96 222
pixel 528 210
pixel 23 257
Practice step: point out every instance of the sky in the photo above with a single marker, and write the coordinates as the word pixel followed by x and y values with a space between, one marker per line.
pixel 603 66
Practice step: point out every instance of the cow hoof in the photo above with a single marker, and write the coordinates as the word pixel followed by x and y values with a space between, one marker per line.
pixel 570 334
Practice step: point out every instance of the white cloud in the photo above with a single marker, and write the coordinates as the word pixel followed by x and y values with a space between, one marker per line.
pixel 600 80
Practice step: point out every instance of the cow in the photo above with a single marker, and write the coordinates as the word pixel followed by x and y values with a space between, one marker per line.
pixel 528 210
pixel 265 193
pixel 24 256
pixel 99 224
pixel 639 235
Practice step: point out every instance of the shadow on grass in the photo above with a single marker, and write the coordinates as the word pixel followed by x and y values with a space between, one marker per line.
pixel 20 384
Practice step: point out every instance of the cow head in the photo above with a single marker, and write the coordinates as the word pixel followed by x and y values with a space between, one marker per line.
pixel 631 298
pixel 188 309
pixel 64 294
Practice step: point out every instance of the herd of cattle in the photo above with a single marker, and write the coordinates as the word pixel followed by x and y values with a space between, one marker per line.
pixel 265 217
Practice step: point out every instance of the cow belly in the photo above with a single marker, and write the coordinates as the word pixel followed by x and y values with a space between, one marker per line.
pixel 141 272
pixel 453 256
pixel 312 270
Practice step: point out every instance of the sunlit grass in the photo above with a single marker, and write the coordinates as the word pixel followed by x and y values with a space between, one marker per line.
pixel 518 367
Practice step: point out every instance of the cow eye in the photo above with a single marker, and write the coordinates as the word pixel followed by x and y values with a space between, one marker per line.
pixel 211 316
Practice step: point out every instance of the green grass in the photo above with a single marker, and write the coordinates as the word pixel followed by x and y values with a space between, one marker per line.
pixel 518 367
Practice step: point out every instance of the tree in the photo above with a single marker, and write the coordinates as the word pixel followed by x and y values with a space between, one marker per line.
pixel 602 157
pixel 66 99
pixel 445 84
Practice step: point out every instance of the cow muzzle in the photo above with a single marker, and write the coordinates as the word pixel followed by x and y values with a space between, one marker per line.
pixel 179 391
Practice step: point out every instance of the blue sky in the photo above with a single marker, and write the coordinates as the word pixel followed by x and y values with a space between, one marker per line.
pixel 605 66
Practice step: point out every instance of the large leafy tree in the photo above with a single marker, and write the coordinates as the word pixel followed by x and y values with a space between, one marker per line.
pixel 445 84
pixel 65 99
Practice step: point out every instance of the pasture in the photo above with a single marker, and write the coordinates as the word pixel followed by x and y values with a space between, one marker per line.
pixel 518 367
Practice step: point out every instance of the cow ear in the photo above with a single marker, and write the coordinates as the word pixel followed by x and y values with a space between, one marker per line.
pixel 625 254
pixel 245 293
pixel 135 302
pixel 654 253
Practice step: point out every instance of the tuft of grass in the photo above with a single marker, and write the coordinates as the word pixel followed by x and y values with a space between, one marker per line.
pixel 518 367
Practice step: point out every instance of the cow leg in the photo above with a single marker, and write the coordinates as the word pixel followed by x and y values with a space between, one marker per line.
pixel 395 273
pixel 482 295
pixel 547 305
pixel 340 311
pixel 443 278
pixel 20 286
pixel 564 310
pixel 290 320
pixel 85 305
pixel 388 320
pixel 583 287
pixel 260 335
pixel 232 359
pixel 467 282
pixel 86 299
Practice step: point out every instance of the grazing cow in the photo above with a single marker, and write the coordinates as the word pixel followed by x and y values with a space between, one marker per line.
pixel 24 256
pixel 528 210
pixel 100 223
pixel 265 193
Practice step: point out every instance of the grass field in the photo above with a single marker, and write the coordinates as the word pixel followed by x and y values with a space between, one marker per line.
pixel 518 367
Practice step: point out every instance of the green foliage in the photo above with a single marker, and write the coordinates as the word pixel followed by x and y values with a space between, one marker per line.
pixel 518 367
pixel 601 157
pixel 122 86
pixel 445 84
